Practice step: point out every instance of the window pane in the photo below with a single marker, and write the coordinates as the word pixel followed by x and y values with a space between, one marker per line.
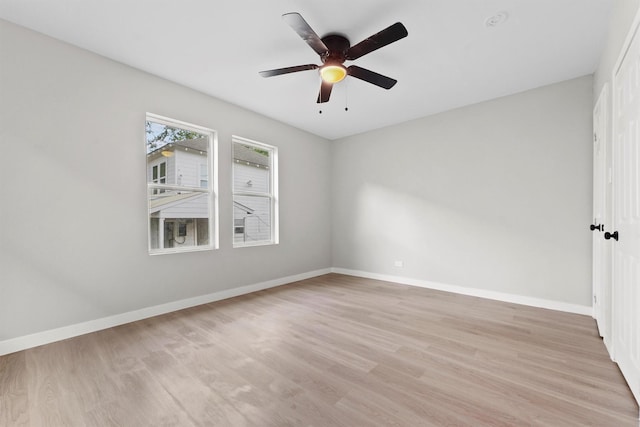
pixel 181 193
pixel 154 232
pixel 251 219
pixel 251 169
pixel 202 231
pixel 173 218
pixel 174 155
pixel 254 193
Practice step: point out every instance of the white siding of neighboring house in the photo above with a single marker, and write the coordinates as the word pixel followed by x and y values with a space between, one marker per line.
pixel 193 207
pixel 188 164
pixel 183 168
pixel 257 224
pixel 259 178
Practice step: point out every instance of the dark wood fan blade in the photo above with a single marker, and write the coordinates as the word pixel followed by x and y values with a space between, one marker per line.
pixel 325 92
pixel 371 77
pixel 287 70
pixel 300 26
pixel 387 36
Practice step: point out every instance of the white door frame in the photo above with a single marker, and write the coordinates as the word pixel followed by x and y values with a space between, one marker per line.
pixel 601 255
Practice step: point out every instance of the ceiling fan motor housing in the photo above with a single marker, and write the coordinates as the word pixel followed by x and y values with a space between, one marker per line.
pixel 338 46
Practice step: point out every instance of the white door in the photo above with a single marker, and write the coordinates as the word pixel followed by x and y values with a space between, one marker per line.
pixel 626 250
pixel 601 254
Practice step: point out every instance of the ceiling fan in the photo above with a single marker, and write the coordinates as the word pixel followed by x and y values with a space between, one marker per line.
pixel 334 49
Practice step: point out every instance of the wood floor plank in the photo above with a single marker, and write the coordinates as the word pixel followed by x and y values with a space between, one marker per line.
pixel 333 350
pixel 14 396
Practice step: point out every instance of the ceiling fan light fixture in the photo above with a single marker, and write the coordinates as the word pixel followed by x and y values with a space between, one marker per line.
pixel 333 73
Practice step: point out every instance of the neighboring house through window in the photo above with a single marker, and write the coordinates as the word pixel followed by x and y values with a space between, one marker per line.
pixel 204 175
pixel 159 175
pixel 255 190
pixel 182 197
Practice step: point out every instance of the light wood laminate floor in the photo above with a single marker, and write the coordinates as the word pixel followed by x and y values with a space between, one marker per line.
pixel 330 351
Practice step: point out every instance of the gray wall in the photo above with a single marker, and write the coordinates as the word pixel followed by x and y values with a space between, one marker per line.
pixel 495 196
pixel 73 228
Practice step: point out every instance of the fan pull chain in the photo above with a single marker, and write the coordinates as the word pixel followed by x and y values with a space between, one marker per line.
pixel 346 95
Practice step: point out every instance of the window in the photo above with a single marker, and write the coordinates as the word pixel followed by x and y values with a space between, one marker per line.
pixel 159 175
pixel 181 198
pixel 204 176
pixel 255 193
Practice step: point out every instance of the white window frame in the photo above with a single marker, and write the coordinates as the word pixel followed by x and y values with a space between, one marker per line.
pixel 272 195
pixel 211 190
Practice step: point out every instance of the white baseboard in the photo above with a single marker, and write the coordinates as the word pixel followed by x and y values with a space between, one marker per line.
pixel 40 338
pixel 481 293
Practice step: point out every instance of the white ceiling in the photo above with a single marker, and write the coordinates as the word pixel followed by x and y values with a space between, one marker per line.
pixel 449 59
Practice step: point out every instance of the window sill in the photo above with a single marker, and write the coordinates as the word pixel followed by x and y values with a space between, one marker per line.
pixel 251 245
pixel 154 252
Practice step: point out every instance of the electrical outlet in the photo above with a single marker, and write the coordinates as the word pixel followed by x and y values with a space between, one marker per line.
pixel 398 263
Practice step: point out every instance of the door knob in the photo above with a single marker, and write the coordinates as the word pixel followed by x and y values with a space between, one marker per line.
pixel 597 227
pixel 613 235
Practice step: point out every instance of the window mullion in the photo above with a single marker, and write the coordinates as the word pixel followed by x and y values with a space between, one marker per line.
pixel 178 188
pixel 252 194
